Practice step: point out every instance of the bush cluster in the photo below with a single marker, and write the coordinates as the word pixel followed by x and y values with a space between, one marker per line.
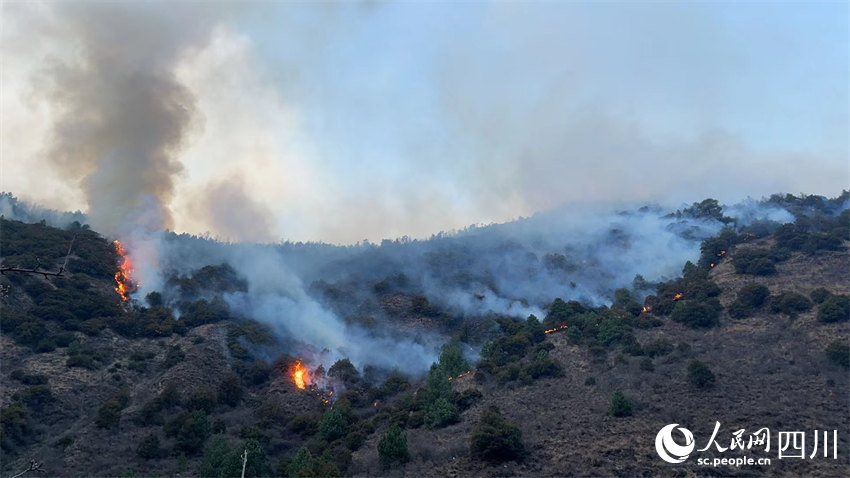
pixel 496 439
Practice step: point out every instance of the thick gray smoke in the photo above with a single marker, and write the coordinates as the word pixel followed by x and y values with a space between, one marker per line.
pixel 122 114
pixel 313 294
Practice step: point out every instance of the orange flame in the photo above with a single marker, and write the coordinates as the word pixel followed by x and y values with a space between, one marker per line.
pixel 678 296
pixel 300 375
pixel 646 308
pixel 124 283
pixel 560 327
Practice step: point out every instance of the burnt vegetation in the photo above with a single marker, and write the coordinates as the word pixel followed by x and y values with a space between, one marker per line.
pixel 177 383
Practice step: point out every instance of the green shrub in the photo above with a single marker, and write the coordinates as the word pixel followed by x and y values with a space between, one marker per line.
pixel 440 413
pixel 109 414
pixel 620 405
pixel 695 314
pixel 174 356
pixel 303 464
pixel 344 371
pixel 334 424
pixel 647 365
pixel 230 391
pixel 535 329
pixel 191 429
pixel 149 448
pixel 749 299
pixel 496 439
pixel 657 348
pixel 35 397
pixel 202 399
pixel 223 461
pixel 392 449
pixel 700 375
pixel 760 262
pixel 819 295
pixel 544 366
pixel 835 309
pixel 590 381
pixel 15 427
pixel 838 353
pixel 790 303
pixel 468 398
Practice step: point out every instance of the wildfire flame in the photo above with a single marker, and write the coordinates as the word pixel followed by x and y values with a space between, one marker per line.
pixel 678 296
pixel 646 308
pixel 124 283
pixel 722 253
pixel 560 327
pixel 300 375
pixel 459 376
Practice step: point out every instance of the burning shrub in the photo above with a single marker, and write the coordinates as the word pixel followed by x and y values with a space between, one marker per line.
pixel 452 361
pixel 713 249
pixel 835 309
pixel 392 449
pixel 700 375
pixel 496 439
pixel 838 353
pixel 620 405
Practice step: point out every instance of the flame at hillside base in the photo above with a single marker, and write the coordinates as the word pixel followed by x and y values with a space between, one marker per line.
pixel 124 283
pixel 300 375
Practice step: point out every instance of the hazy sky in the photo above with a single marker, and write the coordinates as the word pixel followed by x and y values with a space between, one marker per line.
pixel 341 122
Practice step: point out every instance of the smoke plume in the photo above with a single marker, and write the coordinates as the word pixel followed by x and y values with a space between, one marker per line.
pixel 122 117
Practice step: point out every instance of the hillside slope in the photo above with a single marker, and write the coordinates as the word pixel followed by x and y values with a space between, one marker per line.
pixel 771 372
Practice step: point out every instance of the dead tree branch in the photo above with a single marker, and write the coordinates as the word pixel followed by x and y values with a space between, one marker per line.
pixel 34 270
pixel 34 466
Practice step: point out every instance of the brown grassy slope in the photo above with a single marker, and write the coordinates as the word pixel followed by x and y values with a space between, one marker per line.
pixel 771 372
pixel 79 392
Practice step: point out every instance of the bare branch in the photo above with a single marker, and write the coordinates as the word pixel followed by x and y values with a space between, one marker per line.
pixel 34 270
pixel 34 466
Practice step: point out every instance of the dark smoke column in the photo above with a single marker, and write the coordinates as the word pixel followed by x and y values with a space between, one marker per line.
pixel 123 116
